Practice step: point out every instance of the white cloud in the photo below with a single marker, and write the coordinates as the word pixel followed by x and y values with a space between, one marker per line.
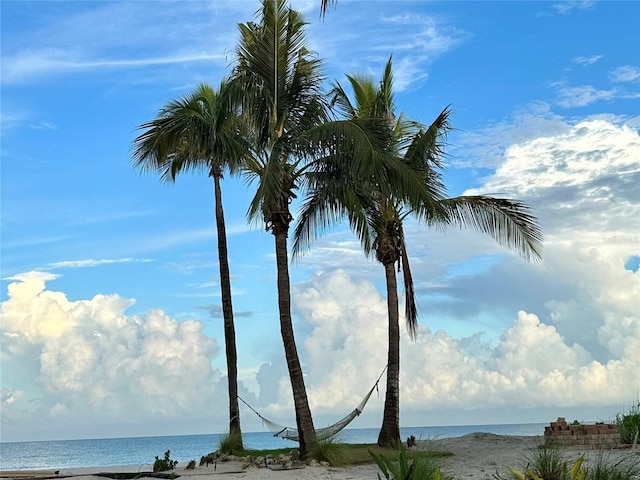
pixel 44 126
pixel 568 6
pixel 485 147
pixel 582 184
pixel 408 74
pixel 49 62
pixel 415 41
pixel 429 38
pixel 587 60
pixel 97 38
pixel 88 359
pixel 625 73
pixel 347 345
pixel 580 96
pixel 589 150
pixel 91 262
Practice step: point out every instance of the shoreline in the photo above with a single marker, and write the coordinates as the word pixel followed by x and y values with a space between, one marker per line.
pixel 474 456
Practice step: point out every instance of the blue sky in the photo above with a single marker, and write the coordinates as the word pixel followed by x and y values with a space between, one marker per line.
pixel 111 317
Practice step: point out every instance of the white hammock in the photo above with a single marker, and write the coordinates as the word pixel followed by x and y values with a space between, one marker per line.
pixel 322 433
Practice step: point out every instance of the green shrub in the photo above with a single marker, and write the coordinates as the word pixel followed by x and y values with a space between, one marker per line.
pixel 335 454
pixel 624 469
pixel 162 465
pixel 549 463
pixel 575 472
pixel 230 443
pixel 629 424
pixel 400 467
pixel 601 468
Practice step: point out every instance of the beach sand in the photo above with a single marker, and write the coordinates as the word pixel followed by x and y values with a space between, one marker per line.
pixel 476 456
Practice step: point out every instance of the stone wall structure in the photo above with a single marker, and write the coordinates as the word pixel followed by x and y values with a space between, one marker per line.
pixel 598 435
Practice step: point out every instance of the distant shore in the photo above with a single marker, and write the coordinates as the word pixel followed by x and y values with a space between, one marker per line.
pixel 475 456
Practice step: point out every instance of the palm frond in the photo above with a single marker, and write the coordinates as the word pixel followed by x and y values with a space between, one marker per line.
pixel 509 222
pixel 324 4
pixel 410 308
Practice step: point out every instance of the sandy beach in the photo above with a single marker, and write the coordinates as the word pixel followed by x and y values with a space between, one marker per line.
pixel 476 456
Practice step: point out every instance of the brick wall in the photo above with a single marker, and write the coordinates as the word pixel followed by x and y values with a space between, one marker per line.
pixel 599 435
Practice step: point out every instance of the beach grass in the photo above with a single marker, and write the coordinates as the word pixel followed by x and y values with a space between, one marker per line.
pixel 355 453
pixel 629 424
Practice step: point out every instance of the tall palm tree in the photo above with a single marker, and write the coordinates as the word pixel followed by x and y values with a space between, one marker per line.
pixel 377 212
pixel 201 132
pixel 278 83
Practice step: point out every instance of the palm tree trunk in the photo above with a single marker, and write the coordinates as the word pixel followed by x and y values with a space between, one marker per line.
pixel 227 313
pixel 390 432
pixel 304 421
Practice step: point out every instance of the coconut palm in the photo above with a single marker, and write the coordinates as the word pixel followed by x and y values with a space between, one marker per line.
pixel 377 211
pixel 201 132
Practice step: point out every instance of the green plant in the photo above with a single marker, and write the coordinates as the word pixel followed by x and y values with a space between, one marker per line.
pixel 629 424
pixel 575 472
pixel 401 467
pixel 335 454
pixel 162 465
pixel 549 463
pixel 624 469
pixel 230 443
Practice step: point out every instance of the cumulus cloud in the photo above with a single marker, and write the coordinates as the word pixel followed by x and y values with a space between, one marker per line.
pixel 437 371
pixel 585 177
pixel 582 184
pixel 347 347
pixel 88 359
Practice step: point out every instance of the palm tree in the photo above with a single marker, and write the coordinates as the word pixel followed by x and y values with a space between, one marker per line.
pixel 377 211
pixel 201 132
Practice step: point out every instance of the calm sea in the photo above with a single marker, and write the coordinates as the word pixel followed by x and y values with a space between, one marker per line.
pixel 143 450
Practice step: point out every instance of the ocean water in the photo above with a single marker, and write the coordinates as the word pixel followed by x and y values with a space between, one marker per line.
pixel 142 451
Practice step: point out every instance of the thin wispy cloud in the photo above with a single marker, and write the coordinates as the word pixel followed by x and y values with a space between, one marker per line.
pixel 11 119
pixel 35 64
pixel 428 36
pixel 568 6
pixel 583 95
pixel 44 126
pixel 91 262
pixel 170 239
pixel 586 60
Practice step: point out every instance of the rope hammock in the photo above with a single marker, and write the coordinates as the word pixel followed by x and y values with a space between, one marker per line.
pixel 322 433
